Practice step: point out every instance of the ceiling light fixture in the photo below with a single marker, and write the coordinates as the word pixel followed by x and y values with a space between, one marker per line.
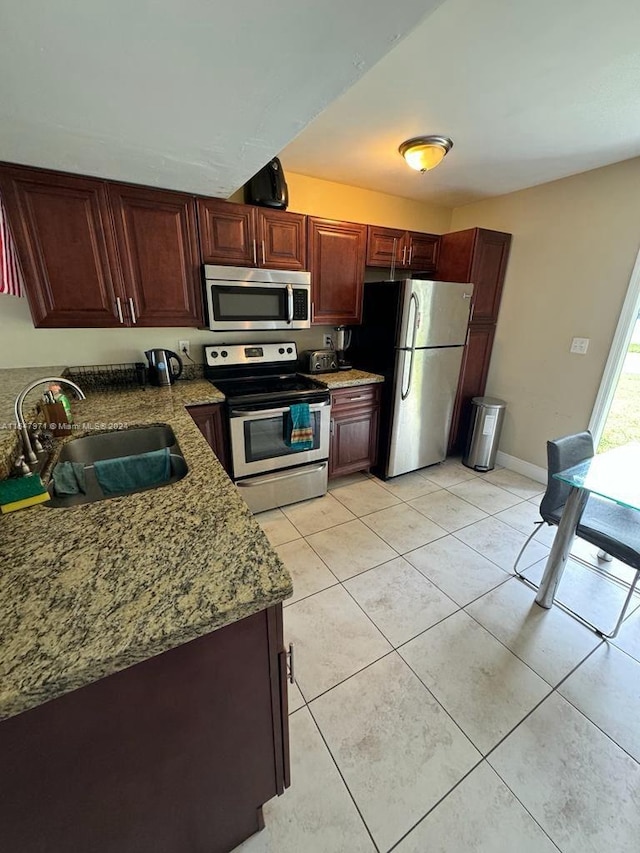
pixel 425 152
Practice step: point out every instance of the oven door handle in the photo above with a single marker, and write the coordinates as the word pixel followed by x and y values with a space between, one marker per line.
pixel 254 413
pixel 289 303
pixel 286 475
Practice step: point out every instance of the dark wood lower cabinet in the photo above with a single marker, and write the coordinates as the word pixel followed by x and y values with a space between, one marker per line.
pixel 355 415
pixel 212 424
pixel 173 755
pixel 472 382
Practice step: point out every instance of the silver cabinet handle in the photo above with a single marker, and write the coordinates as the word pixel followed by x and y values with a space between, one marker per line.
pixel 119 309
pixel 255 254
pixel 404 255
pixel 291 666
pixel 410 254
pixel 264 258
pixel 361 397
pixel 132 308
pixel 392 271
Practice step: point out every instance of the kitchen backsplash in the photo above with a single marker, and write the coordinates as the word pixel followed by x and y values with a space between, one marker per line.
pixel 24 346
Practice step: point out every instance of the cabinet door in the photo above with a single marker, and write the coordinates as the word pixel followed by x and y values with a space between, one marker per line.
pixel 473 378
pixel 488 270
pixel 384 246
pixel 66 246
pixel 157 242
pixel 336 261
pixel 211 423
pixel 423 251
pixel 355 416
pixel 480 256
pixel 227 233
pixel 282 240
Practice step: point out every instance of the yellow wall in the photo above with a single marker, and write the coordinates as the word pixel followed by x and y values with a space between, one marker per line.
pixel 23 346
pixel 574 245
pixel 339 201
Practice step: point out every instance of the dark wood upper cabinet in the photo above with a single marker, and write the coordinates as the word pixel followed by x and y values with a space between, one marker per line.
pixel 250 236
pixel 226 233
pixel 400 251
pixel 479 256
pixel 62 229
pixel 423 251
pixel 384 245
pixel 157 242
pixel 282 239
pixel 337 253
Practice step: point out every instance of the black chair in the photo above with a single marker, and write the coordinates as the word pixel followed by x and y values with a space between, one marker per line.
pixel 607 525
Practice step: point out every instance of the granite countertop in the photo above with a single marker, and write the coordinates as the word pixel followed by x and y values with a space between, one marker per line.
pixel 90 590
pixel 345 378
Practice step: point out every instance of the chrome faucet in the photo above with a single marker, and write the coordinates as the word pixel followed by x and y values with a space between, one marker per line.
pixel 27 448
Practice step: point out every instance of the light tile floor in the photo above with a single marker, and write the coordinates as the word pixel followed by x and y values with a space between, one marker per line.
pixel 437 708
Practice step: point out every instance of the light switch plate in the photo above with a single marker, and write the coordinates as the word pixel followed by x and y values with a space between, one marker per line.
pixel 579 345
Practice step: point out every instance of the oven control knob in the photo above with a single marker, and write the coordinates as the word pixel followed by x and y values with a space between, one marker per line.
pixel 224 353
pixel 214 354
pixel 281 350
pixel 289 350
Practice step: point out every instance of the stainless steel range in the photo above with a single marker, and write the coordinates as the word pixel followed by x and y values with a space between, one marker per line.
pixel 260 384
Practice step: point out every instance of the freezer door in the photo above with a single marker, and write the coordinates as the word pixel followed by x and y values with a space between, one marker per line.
pixel 425 384
pixel 434 313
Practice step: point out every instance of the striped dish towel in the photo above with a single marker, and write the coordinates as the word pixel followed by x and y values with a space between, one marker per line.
pixel 299 430
pixel 10 274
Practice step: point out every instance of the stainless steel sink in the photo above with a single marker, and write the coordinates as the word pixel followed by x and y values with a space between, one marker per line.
pixel 114 445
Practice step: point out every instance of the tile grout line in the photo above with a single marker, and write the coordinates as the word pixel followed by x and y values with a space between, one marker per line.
pixel 344 781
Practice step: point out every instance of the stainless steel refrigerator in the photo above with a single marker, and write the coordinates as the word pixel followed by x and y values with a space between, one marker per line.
pixel 413 332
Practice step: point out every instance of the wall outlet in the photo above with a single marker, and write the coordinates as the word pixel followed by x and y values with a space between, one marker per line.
pixel 328 341
pixel 184 348
pixel 579 345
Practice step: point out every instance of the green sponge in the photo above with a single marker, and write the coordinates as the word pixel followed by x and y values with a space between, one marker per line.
pixel 19 488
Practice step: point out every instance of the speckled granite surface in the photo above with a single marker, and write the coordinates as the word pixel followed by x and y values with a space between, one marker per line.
pixel 87 591
pixel 346 378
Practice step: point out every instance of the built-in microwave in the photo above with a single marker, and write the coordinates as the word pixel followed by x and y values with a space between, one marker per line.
pixel 246 299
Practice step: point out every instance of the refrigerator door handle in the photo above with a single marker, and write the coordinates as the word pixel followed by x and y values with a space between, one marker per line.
pixel 416 323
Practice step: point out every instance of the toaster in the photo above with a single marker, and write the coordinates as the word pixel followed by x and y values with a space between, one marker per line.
pixel 318 361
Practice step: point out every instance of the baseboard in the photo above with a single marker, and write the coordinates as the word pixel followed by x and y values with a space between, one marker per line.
pixel 520 466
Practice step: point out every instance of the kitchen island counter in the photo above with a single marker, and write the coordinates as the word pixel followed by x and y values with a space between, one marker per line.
pixel 91 590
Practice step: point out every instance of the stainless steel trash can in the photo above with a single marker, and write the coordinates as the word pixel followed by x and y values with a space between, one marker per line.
pixel 484 433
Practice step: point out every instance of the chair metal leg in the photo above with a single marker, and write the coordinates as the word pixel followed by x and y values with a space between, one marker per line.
pixel 536 528
pixel 624 609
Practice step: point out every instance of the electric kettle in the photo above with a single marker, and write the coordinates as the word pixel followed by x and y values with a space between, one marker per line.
pixel 161 370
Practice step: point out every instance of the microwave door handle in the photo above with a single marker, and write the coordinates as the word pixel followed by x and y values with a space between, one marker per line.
pixel 289 303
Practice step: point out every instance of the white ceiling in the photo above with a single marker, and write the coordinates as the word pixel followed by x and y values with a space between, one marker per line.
pixel 191 94
pixel 529 90
pixel 198 94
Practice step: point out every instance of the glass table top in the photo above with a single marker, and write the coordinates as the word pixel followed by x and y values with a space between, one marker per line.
pixel 614 475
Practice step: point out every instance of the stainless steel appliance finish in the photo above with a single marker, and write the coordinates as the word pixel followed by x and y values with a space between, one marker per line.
pixel 486 424
pixel 260 384
pixel 414 332
pixel 247 299
pixel 161 370
pixel 318 361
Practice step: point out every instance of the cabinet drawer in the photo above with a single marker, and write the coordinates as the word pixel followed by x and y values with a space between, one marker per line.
pixel 357 395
